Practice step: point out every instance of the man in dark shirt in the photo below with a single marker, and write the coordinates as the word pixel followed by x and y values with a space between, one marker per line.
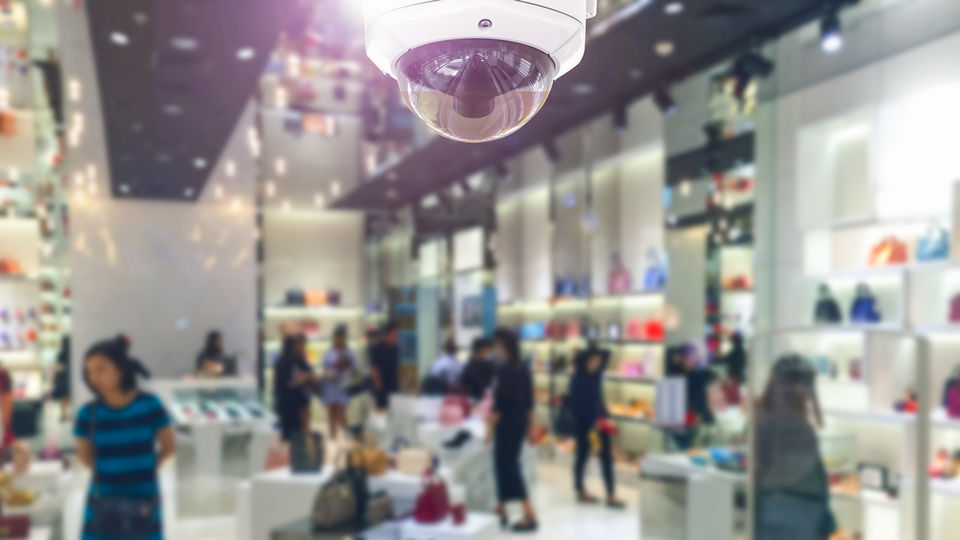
pixel 385 366
pixel 477 377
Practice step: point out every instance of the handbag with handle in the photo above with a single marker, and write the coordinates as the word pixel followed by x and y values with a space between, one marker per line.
pixel 119 516
pixel 14 527
pixel 565 424
pixel 295 297
pixel 306 453
pixel 336 502
pixel 375 460
pixel 409 460
pixel 278 455
pixel 891 250
pixel 433 503
pixel 935 245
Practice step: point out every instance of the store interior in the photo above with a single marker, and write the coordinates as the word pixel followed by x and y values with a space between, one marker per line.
pixel 745 209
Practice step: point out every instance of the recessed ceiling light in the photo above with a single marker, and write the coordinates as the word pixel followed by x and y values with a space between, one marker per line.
pixel 141 18
pixel 188 192
pixel 636 74
pixel 124 188
pixel 286 205
pixel 246 53
pixel 319 200
pixel 582 89
pixel 137 127
pixel 269 189
pixel 200 163
pixel 230 168
pixel 280 166
pixel 673 8
pixel 664 48
pixel 218 191
pixel 184 43
pixel 335 188
pixel 119 38
pixel 391 194
pixel 172 109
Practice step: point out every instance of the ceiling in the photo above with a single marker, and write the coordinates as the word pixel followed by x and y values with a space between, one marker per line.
pixel 174 78
pixel 620 65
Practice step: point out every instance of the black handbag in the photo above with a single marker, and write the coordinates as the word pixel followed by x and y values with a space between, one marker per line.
pixel 119 516
pixel 306 453
pixel 296 297
pixel 565 424
pixel 827 311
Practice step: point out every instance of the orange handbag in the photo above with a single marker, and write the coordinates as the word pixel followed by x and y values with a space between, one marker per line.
pixel 316 297
pixel 891 250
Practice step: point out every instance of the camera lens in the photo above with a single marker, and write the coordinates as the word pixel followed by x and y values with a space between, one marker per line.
pixel 475 90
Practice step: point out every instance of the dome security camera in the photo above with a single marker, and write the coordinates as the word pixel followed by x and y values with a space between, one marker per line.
pixel 476 70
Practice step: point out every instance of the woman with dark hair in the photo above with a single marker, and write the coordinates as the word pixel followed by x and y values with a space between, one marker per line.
pixel 123 435
pixel 339 371
pixel 61 379
pixel 292 379
pixel 210 359
pixel 793 496
pixel 478 374
pixel 585 400
pixel 508 425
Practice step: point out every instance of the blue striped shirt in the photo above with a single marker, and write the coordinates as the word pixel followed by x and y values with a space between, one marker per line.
pixel 125 449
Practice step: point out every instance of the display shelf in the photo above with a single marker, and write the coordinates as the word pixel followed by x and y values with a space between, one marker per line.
pixel 631 342
pixel 871 416
pixel 287 312
pixel 937 329
pixel 16 278
pixel 948 488
pixel 891 327
pixel 865 273
pixel 866 497
pixel 631 419
pixel 629 380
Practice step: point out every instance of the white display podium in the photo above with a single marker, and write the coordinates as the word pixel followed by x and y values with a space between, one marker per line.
pixel 477 527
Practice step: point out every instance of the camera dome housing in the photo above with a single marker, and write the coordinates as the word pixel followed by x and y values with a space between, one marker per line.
pixel 476 70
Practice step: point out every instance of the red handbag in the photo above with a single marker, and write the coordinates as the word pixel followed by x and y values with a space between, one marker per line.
pixel 890 250
pixel 455 409
pixel 14 527
pixel 653 330
pixel 433 503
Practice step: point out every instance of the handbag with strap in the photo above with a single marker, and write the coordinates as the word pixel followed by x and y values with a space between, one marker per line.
pixel 655 278
pixel 336 502
pixel 119 516
pixel 306 453
pixel 295 297
pixel 565 424
pixel 935 245
pixel 412 461
pixel 433 503
pixel 375 460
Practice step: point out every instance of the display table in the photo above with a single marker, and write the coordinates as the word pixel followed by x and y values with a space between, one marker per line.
pixel 681 500
pixel 47 479
pixel 40 533
pixel 477 527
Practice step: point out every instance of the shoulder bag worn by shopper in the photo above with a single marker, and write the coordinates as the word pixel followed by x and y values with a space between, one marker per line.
pixel 119 516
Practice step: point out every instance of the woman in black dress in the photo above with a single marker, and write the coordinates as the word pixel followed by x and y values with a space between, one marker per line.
pixel 509 424
pixel 61 379
pixel 292 378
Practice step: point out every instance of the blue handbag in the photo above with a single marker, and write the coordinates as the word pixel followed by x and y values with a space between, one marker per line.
pixel 655 278
pixel 934 246
pixel 864 308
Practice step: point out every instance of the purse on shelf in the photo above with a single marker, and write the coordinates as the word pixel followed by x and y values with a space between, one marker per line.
pixel 306 453
pixel 890 251
pixel 433 502
pixel 295 297
pixel 955 309
pixel 375 460
pixel 455 409
pixel 335 504
pixel 827 310
pixel 953 401
pixel 864 308
pixel 412 461
pixel 315 297
pixel 935 245
pixel 653 330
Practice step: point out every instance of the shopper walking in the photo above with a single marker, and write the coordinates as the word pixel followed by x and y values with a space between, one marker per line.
pixel 585 401
pixel 508 425
pixel 339 373
pixel 477 376
pixel 736 359
pixel 448 367
pixel 793 496
pixel 61 379
pixel 124 435
pixel 385 366
pixel 292 380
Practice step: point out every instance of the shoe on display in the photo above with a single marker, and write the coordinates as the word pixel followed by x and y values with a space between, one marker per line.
pixel 458 440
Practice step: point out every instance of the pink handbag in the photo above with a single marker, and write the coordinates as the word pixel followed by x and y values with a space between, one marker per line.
pixel 278 455
pixel 454 410
pixel 953 402
pixel 632 369
pixel 955 309
pixel 433 503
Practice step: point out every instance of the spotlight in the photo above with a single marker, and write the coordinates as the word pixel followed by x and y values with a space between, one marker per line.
pixel 553 153
pixel 664 102
pixel 620 118
pixel 831 32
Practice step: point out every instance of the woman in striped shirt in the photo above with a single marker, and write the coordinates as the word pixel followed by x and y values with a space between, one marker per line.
pixel 124 435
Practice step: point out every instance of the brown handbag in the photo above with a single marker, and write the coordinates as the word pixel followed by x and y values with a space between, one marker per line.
pixel 375 460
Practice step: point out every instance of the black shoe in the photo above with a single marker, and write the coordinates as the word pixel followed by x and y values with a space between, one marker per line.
pixel 616 505
pixel 504 522
pixel 527 527
pixel 458 440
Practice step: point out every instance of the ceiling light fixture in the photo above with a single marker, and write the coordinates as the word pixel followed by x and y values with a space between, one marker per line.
pixel 831 32
pixel 664 102
pixel 73 89
pixel 673 8
pixel 286 205
pixel 335 188
pixel 391 194
pixel 664 48
pixel 319 201
pixel 230 168
pixel 280 166
pixel 120 39
pixel 218 191
pixel 124 189
pixel 582 89
pixel 269 188
pixel 200 163
pixel 172 109
pixel 188 193
pixel 245 54
pixel 184 43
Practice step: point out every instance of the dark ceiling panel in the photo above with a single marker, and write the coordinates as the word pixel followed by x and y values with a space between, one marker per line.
pixel 620 66
pixel 174 78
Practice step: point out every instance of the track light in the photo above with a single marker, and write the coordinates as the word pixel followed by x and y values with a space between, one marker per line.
pixel 831 32
pixel 553 153
pixel 664 102
pixel 620 118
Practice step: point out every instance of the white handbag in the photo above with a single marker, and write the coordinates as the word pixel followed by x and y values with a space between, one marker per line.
pixel 413 461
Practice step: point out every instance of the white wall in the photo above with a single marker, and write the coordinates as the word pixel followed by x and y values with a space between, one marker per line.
pixel 162 272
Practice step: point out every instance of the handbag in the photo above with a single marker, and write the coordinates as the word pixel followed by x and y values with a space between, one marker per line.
pixel 375 460
pixel 864 308
pixel 955 309
pixel 452 412
pixel 655 278
pixel 315 297
pixel 335 504
pixel 413 461
pixel 953 402
pixel 935 245
pixel 118 516
pixel 14 527
pixel 619 281
pixel 565 424
pixel 433 503
pixel 827 311
pixel 306 453
pixel 295 297
pixel 891 250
